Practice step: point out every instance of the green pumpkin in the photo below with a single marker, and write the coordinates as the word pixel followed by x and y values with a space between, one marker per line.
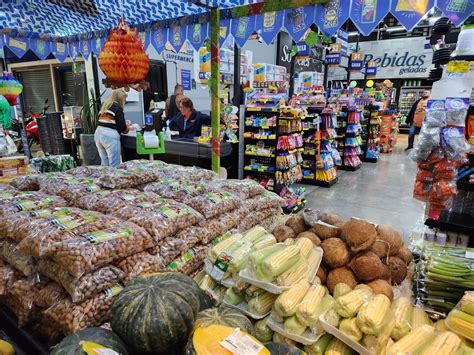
pixel 72 345
pixel 283 349
pixel 155 313
pixel 224 316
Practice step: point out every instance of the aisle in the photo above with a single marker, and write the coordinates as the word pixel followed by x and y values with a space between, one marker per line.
pixel 381 192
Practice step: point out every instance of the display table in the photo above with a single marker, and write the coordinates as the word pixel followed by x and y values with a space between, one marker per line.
pixel 181 151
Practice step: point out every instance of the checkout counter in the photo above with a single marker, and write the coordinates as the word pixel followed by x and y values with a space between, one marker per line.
pixel 185 152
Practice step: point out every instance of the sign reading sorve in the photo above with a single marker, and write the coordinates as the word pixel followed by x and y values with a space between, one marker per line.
pixel 397 58
pixel 186 79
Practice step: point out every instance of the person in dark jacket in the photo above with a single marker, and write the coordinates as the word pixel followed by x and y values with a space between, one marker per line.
pixel 110 126
pixel 416 116
pixel 172 102
pixel 189 121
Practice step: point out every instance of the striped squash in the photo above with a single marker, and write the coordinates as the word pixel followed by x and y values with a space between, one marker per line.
pixel 224 316
pixel 155 313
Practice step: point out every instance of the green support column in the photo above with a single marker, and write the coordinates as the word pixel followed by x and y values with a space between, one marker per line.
pixel 214 88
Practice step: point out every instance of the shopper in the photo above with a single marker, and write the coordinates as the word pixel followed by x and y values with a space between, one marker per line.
pixel 111 125
pixel 189 121
pixel 416 116
pixel 172 102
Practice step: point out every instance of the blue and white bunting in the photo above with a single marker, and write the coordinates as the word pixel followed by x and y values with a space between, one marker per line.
pixel 409 13
pixel 158 39
pixel 197 34
pixel 268 25
pixel 177 36
pixel 59 50
pixel 242 28
pixel 40 47
pixel 18 45
pixel 366 15
pixel 298 20
pixel 331 16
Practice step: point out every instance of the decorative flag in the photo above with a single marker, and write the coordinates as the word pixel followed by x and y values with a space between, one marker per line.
pixel 85 47
pixel 197 34
pixel 17 45
pixel 366 15
pixel 332 15
pixel 177 36
pixel 145 38
pixel 2 41
pixel 456 10
pixel 40 47
pixel 224 31
pixel 409 12
pixel 159 38
pixel 59 50
pixel 298 20
pixel 73 48
pixel 98 44
pixel 242 28
pixel 269 24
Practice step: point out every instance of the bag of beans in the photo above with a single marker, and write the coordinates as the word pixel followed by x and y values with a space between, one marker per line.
pixel 20 261
pixel 49 295
pixel 212 204
pixel 124 179
pixel 145 262
pixel 178 190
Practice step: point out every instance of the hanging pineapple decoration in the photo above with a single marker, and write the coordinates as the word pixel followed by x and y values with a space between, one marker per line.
pixel 123 59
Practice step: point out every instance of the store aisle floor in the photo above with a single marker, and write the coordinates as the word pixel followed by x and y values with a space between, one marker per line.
pixel 380 192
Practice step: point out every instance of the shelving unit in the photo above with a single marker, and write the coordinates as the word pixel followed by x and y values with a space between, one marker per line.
pixel 370 150
pixel 349 134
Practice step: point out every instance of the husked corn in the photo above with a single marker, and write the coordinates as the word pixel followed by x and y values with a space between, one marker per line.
pixel 349 304
pixel 337 347
pixel 413 341
pixel 402 310
pixel 259 255
pixel 293 274
pixel 261 304
pixel 305 246
pixel 341 289
pixel 307 311
pixel 207 283
pixel 313 261
pixel 287 302
pixel 232 297
pixel 349 327
pixel 419 317
pixel 281 261
pixel 227 245
pixel 255 233
pixel 461 323
pixel 444 343
pixel 293 326
pixel 289 241
pixel 266 241
pixel 371 316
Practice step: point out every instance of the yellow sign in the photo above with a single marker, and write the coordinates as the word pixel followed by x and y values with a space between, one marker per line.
pixel 357 56
pixel 335 47
pixel 18 44
pixel 458 67
pixel 371 64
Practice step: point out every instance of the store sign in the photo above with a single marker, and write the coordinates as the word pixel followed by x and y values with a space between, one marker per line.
pixel 186 79
pixel 285 43
pixel 333 59
pixel 357 62
pixel 343 39
pixel 397 58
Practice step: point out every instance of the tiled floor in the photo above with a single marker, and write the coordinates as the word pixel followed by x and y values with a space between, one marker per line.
pixel 380 192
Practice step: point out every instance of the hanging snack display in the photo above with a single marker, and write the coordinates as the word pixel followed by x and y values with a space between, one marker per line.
pixel 10 88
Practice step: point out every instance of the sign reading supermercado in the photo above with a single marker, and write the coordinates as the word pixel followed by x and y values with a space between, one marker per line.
pixel 397 58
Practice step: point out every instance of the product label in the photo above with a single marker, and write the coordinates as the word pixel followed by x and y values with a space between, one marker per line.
pixel 455 103
pixel 65 221
pixel 216 198
pixel 91 348
pixel 435 105
pixel 101 236
pixel 40 213
pixel 187 256
pixel 172 213
pixel 113 290
pixel 6 195
pixel 220 266
pixel 28 205
pixel 238 343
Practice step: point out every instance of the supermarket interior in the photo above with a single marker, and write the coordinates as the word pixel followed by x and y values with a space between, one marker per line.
pixel 237 177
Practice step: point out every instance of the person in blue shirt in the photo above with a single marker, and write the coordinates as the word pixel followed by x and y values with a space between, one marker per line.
pixel 189 121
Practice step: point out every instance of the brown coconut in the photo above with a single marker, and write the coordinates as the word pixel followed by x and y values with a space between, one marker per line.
pixel 325 231
pixel 339 224
pixel 283 232
pixel 341 274
pixel 311 236
pixel 381 287
pixel 331 218
pixel 296 223
pixel 366 266
pixel 398 269
pixel 359 234
pixel 380 247
pixel 405 254
pixel 385 274
pixel 335 252
pixel 391 237
pixel 322 274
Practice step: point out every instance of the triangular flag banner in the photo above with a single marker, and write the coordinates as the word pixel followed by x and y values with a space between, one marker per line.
pixel 241 29
pixel 73 49
pixel 298 20
pixel 197 34
pixel 409 12
pixel 59 50
pixel 159 37
pixel 269 24
pixel 41 48
pixel 332 15
pixel 457 11
pixel 17 45
pixel 367 15
pixel 97 44
pixel 225 31
pixel 177 36
pixel 85 48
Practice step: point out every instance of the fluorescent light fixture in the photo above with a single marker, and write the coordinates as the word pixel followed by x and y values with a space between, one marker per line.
pixel 395 29
pixel 353 33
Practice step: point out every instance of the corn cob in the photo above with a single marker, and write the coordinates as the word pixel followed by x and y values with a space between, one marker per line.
pixel 402 310
pixel 261 304
pixel 387 346
pixel 313 260
pixel 281 261
pixel 349 327
pixel 444 343
pixel 320 346
pixel 461 323
pixel 257 256
pixel 278 338
pixel 362 286
pixel 247 298
pixel 255 233
pixel 240 287
pixel 207 283
pixel 232 297
pixel 349 304
pixel 413 341
pixel 419 317
pixel 371 316
pixel 293 326
pixel 384 335
pixel 289 241
pixel 266 241
pixel 341 289
pixel 276 316
pixel 287 302
pixel 293 274
pixel 305 246
pixel 253 291
pixel 316 281
pixel 227 245
pixel 337 347
pixel 239 257
pixel 467 303
pixel 440 325
pixel 307 311
pixel 369 341
pixel 330 315
pixel 262 331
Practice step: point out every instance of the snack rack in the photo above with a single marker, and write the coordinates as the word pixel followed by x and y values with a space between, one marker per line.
pixel 371 135
pixel 388 131
pixel 349 138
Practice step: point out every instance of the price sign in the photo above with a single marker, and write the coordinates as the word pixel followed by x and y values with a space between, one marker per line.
pixel 333 59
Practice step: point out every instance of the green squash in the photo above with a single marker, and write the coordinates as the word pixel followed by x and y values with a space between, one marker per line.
pixel 155 313
pixel 73 344
pixel 283 349
pixel 224 316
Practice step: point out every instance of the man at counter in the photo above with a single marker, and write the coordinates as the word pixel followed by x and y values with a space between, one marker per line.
pixel 189 121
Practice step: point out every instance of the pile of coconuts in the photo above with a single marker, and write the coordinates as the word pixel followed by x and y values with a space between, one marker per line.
pixel 355 251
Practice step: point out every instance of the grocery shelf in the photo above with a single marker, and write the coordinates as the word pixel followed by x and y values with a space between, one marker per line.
pixel 350 168
pixel 368 160
pixel 454 222
pixel 321 183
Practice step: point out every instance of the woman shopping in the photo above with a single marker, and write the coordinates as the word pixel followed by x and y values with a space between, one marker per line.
pixel 111 125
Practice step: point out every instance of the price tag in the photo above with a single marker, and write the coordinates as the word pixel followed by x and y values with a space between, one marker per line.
pixel 458 67
pixel 238 343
